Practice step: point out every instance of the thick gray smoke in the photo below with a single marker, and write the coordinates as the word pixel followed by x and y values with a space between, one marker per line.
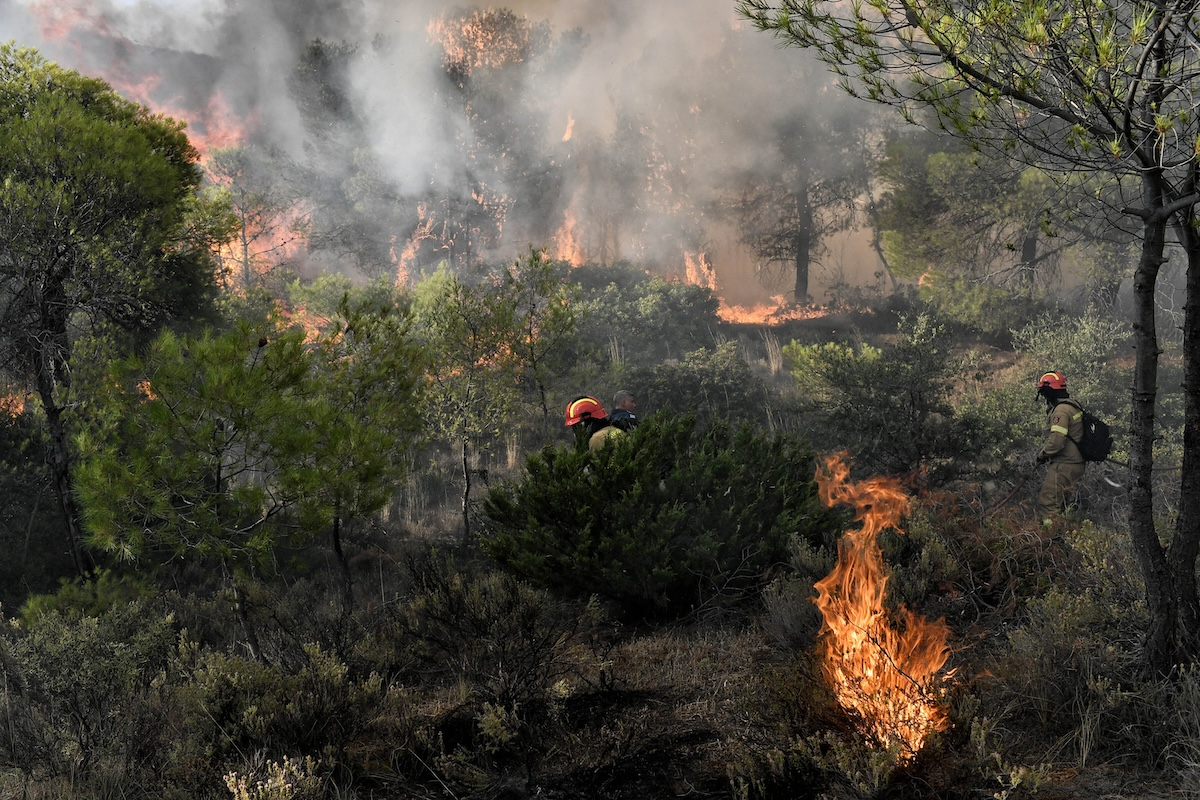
pixel 625 131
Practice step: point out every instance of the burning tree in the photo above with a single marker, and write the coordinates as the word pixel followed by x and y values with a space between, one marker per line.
pixel 882 672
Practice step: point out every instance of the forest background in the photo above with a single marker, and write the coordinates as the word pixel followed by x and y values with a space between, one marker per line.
pixel 291 512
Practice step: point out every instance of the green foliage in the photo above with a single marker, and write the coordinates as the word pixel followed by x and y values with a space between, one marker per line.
pixel 642 319
pixel 367 389
pixel 667 519
pixel 467 334
pixel 711 384
pixel 1085 349
pixel 205 444
pixel 100 209
pixel 102 225
pixel 180 461
pixel 82 692
pixel 86 597
pixel 546 322
pixel 975 305
pixel 892 407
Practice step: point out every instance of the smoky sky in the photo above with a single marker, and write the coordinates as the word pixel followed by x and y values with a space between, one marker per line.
pixel 702 91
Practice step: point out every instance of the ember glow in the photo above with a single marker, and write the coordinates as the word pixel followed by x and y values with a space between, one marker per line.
pixel 883 671
pixel 484 39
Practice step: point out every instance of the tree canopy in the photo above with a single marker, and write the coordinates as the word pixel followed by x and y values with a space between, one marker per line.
pixel 100 225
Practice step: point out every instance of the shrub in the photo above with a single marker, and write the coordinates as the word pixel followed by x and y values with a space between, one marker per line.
pixel 976 305
pixel 666 520
pixel 891 406
pixel 642 318
pixel 712 384
pixel 83 694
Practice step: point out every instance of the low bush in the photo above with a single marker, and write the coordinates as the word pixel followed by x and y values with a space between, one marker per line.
pixel 84 695
pixel 665 521
pixel 893 406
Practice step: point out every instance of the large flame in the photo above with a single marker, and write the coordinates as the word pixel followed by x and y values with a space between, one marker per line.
pixel 884 671
pixel 566 244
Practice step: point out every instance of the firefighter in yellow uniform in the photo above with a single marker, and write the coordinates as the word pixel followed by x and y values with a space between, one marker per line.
pixel 1061 448
pixel 589 421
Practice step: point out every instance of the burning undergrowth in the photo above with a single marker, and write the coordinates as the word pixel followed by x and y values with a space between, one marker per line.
pixel 883 667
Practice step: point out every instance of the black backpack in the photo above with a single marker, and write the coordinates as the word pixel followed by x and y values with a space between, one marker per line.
pixel 1097 441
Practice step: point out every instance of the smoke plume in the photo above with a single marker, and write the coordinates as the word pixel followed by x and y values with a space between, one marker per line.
pixel 617 132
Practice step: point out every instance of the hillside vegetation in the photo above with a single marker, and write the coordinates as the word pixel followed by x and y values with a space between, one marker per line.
pixel 637 622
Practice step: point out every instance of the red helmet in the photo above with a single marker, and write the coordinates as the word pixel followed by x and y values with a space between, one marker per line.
pixel 1052 380
pixel 584 408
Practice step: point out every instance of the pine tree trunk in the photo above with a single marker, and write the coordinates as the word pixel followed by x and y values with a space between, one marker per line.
pixel 347 579
pixel 1185 546
pixel 466 497
pixel 1160 637
pixel 59 457
pixel 239 608
pixel 803 244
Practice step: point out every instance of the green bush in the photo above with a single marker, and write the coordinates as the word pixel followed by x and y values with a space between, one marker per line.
pixel 892 406
pixel 84 695
pixel 976 305
pixel 643 319
pixel 712 384
pixel 666 520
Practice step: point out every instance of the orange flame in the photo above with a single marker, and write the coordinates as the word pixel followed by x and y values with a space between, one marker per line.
pixel 570 127
pixel 485 39
pixel 566 245
pixel 699 271
pixel 209 127
pixel 882 673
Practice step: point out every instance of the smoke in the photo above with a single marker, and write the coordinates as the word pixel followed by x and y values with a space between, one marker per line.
pixel 667 105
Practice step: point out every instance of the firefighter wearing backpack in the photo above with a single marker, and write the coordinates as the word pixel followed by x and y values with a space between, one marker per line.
pixel 1061 448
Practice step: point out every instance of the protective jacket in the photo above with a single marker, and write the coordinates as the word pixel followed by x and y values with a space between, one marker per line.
pixel 601 437
pixel 1066 463
pixel 1066 429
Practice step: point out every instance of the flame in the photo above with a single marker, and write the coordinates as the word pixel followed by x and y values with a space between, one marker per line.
pixel 776 312
pixel 699 271
pixel 570 127
pixel 883 673
pixel 566 245
pixel 268 241
pixel 406 261
pixel 210 125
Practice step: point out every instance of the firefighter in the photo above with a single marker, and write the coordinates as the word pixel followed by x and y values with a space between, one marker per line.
pixel 623 407
pixel 1061 448
pixel 589 421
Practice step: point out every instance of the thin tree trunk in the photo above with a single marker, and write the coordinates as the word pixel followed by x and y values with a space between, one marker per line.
pixel 1029 246
pixel 466 498
pixel 59 460
pixel 347 579
pixel 1185 546
pixel 803 244
pixel 1160 637
pixel 239 608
